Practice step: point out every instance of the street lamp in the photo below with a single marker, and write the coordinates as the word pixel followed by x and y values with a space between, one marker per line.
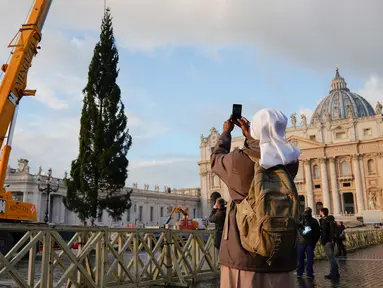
pixel 48 190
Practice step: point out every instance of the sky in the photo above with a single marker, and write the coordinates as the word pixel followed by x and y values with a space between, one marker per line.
pixel 182 66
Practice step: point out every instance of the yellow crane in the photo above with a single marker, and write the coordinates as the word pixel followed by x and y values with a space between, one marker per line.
pixel 185 223
pixel 24 47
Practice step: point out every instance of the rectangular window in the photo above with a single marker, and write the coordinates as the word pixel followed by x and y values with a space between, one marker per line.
pixel 312 138
pixel 162 212
pixel 128 216
pixel 151 214
pixel 367 132
pixel 140 213
pixel 348 184
pixel 317 186
pixel 340 135
pixel 316 172
pixel 193 212
pixel 100 217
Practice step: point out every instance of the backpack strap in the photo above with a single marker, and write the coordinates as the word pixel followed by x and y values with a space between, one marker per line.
pixel 230 205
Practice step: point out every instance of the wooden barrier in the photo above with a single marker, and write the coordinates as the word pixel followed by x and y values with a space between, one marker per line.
pixel 355 239
pixel 122 257
pixel 109 257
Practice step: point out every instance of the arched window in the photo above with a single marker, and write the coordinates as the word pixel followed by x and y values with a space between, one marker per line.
pixel 371 166
pixel 316 172
pixel 345 168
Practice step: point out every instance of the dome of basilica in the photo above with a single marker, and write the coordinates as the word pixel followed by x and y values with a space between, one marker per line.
pixel 341 102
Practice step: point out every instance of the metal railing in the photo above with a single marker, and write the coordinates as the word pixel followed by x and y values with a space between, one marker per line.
pixel 121 257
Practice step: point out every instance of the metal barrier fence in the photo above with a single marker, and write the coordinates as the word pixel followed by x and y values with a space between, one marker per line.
pixel 118 257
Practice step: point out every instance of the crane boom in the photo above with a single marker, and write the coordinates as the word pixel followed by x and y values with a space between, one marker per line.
pixel 177 209
pixel 12 88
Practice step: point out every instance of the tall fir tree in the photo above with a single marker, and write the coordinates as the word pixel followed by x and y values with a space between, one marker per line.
pixel 99 173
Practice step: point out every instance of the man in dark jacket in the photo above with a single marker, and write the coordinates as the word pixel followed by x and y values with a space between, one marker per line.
pixel 236 169
pixel 309 233
pixel 341 250
pixel 217 216
pixel 328 239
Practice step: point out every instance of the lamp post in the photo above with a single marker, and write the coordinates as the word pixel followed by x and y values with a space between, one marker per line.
pixel 48 189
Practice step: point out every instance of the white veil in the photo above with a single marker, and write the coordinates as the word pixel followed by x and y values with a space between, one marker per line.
pixel 268 126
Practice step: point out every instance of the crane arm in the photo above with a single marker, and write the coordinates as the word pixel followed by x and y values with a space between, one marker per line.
pixel 177 209
pixel 14 82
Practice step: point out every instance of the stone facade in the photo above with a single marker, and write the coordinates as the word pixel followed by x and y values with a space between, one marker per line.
pixel 24 187
pixel 341 166
pixel 147 205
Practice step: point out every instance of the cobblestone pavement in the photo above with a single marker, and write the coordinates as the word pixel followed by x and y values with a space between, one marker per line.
pixel 363 268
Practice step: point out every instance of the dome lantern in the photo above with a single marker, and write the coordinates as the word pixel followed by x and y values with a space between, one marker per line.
pixel 338 83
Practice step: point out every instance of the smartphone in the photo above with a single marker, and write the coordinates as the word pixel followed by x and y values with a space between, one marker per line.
pixel 237 111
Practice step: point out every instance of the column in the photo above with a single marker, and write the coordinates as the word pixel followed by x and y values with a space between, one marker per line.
pixel 309 185
pixel 62 210
pixel 204 194
pixel 25 196
pixel 358 182
pixel 334 187
pixel 379 158
pixel 40 206
pixel 325 188
pixel 363 177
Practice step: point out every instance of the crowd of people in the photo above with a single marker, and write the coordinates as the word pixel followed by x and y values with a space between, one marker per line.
pixel 262 238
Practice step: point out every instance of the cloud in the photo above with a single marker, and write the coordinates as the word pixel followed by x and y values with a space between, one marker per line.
pixel 48 124
pixel 174 172
pixel 372 90
pixel 152 163
pixel 307 112
pixel 212 53
pixel 47 130
pixel 47 94
pixel 313 34
pixel 142 130
pixel 141 97
pixel 52 141
pixel 59 69
pixel 309 33
pixel 153 132
pixel 51 144
pixel 133 120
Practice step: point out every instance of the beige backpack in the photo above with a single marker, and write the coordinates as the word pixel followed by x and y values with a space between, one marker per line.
pixel 267 218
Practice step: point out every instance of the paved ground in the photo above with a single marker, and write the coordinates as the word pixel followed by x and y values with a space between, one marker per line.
pixel 363 268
